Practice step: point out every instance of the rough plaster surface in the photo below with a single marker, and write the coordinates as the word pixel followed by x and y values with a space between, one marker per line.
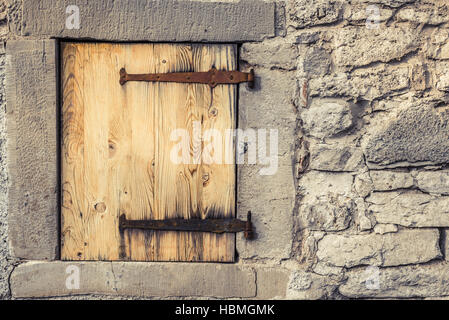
pixel 358 205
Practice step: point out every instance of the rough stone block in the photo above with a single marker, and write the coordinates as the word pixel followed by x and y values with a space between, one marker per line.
pixel 332 213
pixel 425 13
pixel 335 157
pixel 438 46
pixel 359 14
pixel 430 280
pixel 316 183
pixel 317 62
pixel 418 135
pixel 309 286
pixel 391 180
pixel 326 119
pixel 409 208
pixel 31 73
pixel 48 279
pixel 145 20
pixel 270 53
pixel 363 184
pixel 392 249
pixel 366 84
pixel 436 182
pixel 358 47
pixel 306 13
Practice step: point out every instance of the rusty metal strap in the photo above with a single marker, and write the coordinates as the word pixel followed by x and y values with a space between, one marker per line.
pixel 213 77
pixel 192 225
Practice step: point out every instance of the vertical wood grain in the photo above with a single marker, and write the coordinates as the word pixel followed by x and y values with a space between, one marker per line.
pixel 116 152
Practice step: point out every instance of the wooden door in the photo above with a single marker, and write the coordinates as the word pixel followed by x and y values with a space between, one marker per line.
pixel 116 146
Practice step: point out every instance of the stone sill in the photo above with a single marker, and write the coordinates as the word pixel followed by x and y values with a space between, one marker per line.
pixel 40 279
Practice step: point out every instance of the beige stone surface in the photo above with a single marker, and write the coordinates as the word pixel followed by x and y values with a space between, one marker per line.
pixel 430 280
pixel 409 209
pixel 392 249
pixel 50 279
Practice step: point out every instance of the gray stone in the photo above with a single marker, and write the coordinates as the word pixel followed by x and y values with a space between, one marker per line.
pixel 14 13
pixel 332 213
pixel 392 249
pixel 359 13
pixel 272 283
pixel 5 260
pixel 316 184
pixel 270 53
pixel 306 13
pixel 32 148
pixel 335 157
pixel 390 180
pixel 363 184
pixel 438 46
pixel 410 209
pixel 270 104
pixel 134 279
pixel 270 197
pixel 307 38
pixel 358 47
pixel 169 20
pixel 366 84
pixel 281 17
pixel 308 286
pixel 436 182
pixel 317 62
pixel 326 119
pixel 418 135
pixel 364 222
pixel 429 280
pixel 429 14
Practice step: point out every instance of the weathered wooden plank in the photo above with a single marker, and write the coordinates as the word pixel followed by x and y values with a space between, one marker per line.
pixel 126 154
pixel 74 204
pixel 31 91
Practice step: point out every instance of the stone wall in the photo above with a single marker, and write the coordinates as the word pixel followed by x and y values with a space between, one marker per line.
pixel 371 175
pixel 359 91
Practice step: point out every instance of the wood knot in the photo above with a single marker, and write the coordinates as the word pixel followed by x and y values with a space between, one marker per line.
pixel 205 179
pixel 213 112
pixel 100 207
pixel 112 149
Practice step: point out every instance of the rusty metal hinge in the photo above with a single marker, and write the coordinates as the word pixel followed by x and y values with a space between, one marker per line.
pixel 213 77
pixel 192 225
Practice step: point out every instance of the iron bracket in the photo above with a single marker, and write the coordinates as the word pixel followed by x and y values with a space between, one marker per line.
pixel 213 77
pixel 193 225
